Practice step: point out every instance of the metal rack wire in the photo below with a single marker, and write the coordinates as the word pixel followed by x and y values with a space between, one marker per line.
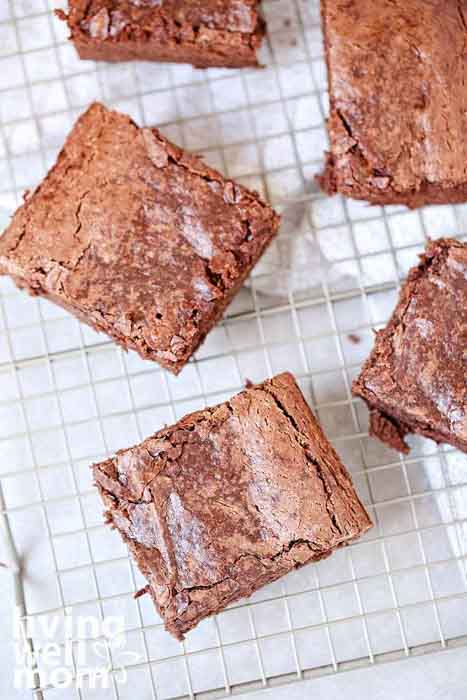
pixel 69 397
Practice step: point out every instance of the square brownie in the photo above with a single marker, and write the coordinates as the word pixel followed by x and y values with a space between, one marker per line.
pixel 229 499
pixel 398 118
pixel 136 237
pixel 218 33
pixel 415 380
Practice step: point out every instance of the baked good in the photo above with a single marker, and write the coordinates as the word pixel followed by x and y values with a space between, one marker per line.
pixel 136 237
pixel 398 110
pixel 211 33
pixel 229 499
pixel 415 380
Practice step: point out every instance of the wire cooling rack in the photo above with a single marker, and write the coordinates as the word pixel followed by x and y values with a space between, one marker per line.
pixel 69 397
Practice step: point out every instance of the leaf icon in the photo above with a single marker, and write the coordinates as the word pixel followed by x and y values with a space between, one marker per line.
pixel 115 643
pixel 129 657
pixel 101 651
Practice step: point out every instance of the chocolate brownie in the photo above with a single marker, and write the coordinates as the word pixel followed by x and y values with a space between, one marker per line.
pixel 398 107
pixel 136 237
pixel 210 33
pixel 415 380
pixel 229 499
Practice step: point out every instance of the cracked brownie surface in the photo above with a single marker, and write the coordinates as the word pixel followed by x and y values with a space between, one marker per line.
pixel 210 33
pixel 136 237
pixel 415 380
pixel 228 499
pixel 398 101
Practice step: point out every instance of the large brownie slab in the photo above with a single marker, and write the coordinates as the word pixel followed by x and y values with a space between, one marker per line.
pixel 398 102
pixel 136 237
pixel 223 33
pixel 228 499
pixel 415 380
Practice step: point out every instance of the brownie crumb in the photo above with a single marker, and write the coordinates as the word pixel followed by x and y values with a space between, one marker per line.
pixel 141 592
pixel 354 338
pixel 388 431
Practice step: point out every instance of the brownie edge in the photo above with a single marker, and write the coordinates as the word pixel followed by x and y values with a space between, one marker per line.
pixel 212 33
pixel 229 499
pixel 415 378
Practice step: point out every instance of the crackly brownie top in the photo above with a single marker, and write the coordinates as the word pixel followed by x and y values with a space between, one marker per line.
pixel 136 234
pixel 229 487
pixel 418 368
pixel 139 19
pixel 398 75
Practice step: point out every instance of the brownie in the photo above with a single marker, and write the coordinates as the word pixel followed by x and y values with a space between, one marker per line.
pixel 136 237
pixel 415 380
pixel 229 499
pixel 211 33
pixel 398 116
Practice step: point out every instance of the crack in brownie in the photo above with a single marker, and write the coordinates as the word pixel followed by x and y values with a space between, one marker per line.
pixel 229 499
pixel 398 101
pixel 222 33
pixel 137 238
pixel 415 380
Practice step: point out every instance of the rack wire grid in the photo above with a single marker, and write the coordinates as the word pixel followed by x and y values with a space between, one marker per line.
pixel 70 397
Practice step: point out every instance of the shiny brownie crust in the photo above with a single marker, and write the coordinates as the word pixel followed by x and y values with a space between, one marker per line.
pixel 415 379
pixel 137 238
pixel 222 33
pixel 229 499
